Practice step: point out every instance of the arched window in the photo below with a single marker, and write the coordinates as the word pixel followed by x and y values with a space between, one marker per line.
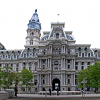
pixel 57 36
pixel 56 65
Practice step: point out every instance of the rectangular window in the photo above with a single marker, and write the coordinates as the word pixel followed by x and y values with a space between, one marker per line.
pixel 82 63
pixel 76 54
pixel 68 88
pixel 76 63
pixel 44 61
pixel 12 65
pixel 88 63
pixel 29 68
pixel 76 67
pixel 17 69
pixel 68 81
pixel 43 81
pixel 68 61
pixel 82 67
pixel 43 66
pixel 68 53
pixel 88 54
pixel 68 66
pixel 82 54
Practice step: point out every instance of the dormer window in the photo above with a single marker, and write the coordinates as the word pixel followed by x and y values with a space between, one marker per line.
pixel 57 36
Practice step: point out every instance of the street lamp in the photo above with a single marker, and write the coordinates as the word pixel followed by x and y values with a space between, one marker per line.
pixel 7 71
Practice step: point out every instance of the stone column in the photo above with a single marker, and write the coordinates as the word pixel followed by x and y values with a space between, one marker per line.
pixel 39 63
pixel 51 49
pixel 61 79
pixel 64 63
pixel 72 64
pixel 66 79
pixel 45 79
pixel 48 62
pixel 20 66
pixel 61 63
pixel 64 49
pixel 73 79
pixel 50 78
pixel 26 65
pixel 79 65
pixel 40 79
pixel 15 67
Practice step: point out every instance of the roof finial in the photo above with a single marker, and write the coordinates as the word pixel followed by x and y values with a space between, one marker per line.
pixel 35 10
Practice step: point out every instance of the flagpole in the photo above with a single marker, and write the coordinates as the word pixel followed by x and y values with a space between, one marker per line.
pixel 58 18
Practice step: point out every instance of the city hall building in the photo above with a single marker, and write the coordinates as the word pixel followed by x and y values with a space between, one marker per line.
pixel 54 58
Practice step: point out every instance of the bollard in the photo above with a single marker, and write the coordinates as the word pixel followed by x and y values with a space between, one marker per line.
pixel 82 93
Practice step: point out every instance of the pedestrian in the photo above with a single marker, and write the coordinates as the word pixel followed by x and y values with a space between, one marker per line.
pixel 49 91
pixel 57 90
pixel 16 90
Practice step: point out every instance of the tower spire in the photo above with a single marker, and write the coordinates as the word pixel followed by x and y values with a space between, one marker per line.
pixel 34 22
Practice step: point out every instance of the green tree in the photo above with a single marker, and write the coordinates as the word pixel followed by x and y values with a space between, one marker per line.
pixel 10 77
pixel 90 76
pixel 26 76
pixel 16 77
pixel 1 78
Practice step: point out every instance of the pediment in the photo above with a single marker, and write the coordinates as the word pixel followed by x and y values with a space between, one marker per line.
pixel 57 43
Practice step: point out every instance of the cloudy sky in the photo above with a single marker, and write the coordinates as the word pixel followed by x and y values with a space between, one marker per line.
pixel 80 16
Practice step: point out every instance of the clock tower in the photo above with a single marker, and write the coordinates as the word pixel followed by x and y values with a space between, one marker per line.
pixel 33 31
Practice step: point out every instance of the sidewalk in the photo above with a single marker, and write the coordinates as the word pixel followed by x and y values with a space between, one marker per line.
pixel 55 96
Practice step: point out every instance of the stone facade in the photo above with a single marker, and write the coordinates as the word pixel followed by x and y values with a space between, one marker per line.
pixel 54 58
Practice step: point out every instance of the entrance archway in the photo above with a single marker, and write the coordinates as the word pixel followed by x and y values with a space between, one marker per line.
pixel 55 84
